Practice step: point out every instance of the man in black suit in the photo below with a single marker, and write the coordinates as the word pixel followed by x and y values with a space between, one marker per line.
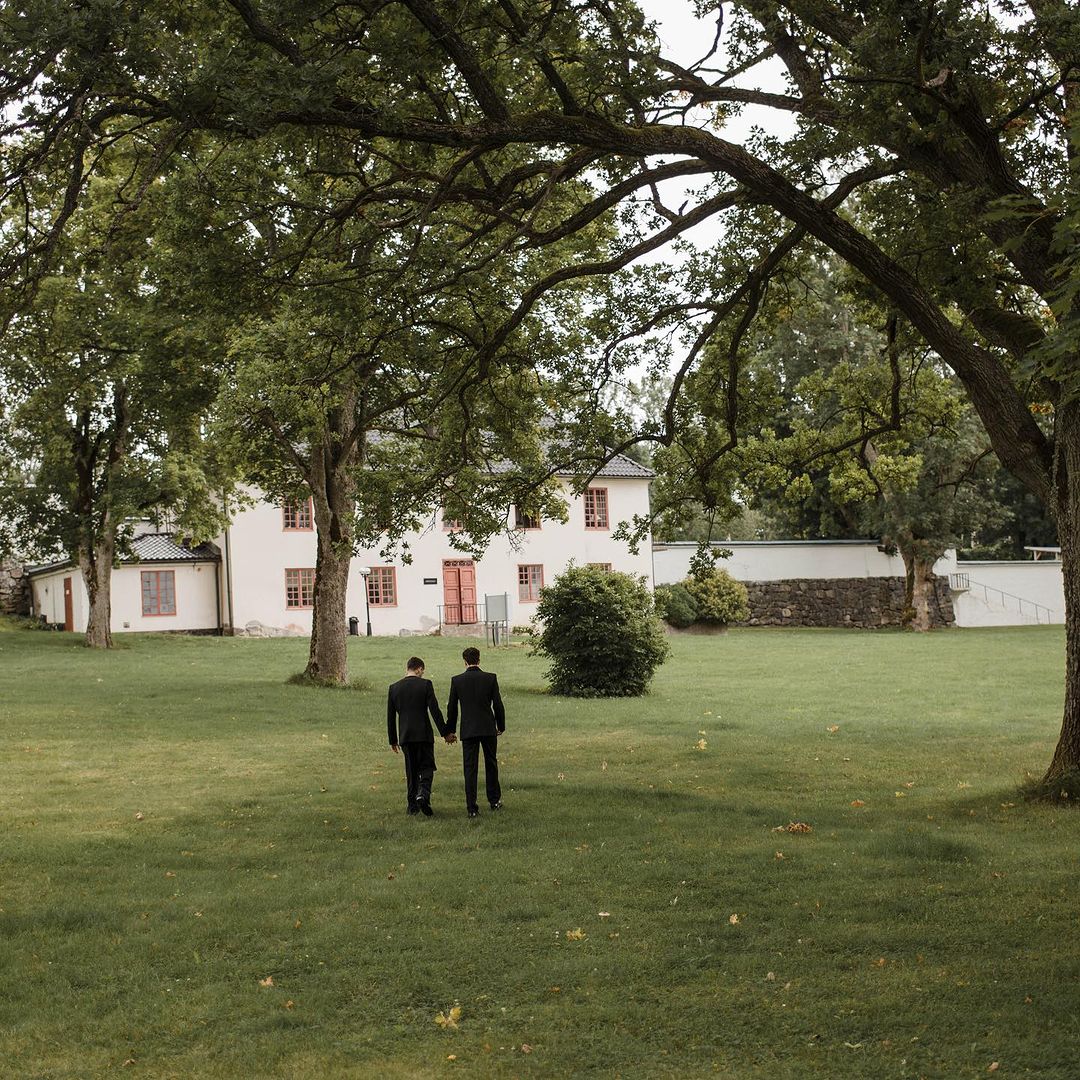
pixel 410 700
pixel 483 720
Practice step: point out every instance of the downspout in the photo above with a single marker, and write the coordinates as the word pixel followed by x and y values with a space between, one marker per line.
pixel 228 564
pixel 217 595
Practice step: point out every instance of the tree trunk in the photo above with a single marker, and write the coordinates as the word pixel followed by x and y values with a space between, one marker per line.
pixel 96 564
pixel 327 656
pixel 918 590
pixel 1066 759
pixel 333 493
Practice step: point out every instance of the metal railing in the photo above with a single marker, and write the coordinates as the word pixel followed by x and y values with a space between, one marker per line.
pixel 1018 600
pixel 461 614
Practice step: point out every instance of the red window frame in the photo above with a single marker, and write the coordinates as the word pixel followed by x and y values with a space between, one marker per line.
pixel 294 514
pixel 382 586
pixel 530 581
pixel 596 508
pixel 526 522
pixel 299 586
pixel 152 606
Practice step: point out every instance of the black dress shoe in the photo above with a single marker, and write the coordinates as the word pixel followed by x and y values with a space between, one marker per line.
pixel 474 813
pixel 425 808
pixel 496 805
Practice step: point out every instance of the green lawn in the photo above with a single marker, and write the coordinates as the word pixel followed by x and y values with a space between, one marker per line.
pixel 179 825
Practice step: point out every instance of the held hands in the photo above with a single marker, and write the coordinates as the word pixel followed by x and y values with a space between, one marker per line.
pixel 450 739
pixel 394 747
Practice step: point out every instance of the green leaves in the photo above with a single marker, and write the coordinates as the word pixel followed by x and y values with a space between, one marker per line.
pixel 600 631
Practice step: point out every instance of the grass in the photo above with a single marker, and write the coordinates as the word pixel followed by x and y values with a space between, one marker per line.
pixel 179 824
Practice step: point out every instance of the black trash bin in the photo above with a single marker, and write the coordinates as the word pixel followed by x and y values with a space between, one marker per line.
pixel 354 626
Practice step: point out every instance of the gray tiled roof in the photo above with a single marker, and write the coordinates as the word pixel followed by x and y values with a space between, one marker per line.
pixel 161 547
pixel 621 465
pixel 150 547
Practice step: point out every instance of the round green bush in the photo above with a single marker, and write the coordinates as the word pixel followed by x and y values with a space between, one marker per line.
pixel 600 631
pixel 719 597
pixel 675 605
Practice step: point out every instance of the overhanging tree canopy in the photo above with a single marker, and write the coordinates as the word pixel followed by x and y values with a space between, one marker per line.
pixel 959 122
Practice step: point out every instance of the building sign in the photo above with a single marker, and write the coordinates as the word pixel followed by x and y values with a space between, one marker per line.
pixel 431 581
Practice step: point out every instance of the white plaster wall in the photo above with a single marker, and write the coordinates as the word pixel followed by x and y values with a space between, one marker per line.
pixel 1027 583
pixel 780 560
pixel 48 596
pixel 261 551
pixel 196 604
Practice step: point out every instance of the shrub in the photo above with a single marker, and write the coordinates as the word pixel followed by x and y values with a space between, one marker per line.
pixel 675 605
pixel 600 631
pixel 719 597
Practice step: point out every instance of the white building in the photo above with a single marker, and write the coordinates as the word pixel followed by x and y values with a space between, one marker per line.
pixel 161 585
pixel 258 577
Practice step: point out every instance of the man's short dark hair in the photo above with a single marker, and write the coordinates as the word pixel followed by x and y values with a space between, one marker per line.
pixel 471 655
pixel 414 663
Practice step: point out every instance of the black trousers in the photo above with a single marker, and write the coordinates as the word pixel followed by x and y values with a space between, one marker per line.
pixel 419 771
pixel 470 757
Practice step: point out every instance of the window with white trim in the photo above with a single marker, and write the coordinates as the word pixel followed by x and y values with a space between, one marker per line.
pixel 300 587
pixel 158 592
pixel 382 586
pixel 297 516
pixel 524 520
pixel 596 508
pixel 530 581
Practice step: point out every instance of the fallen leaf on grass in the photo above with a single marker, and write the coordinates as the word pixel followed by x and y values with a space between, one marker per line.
pixel 290 1004
pixel 526 1048
pixel 963 784
pixel 451 1057
pixel 604 914
pixel 268 981
pixel 733 919
pixel 701 744
pixel 771 976
pixel 993 1066
pixel 857 802
pixel 449 1020
pixel 575 935
pixel 880 962
pixel 778 855
pixel 832 729
pixel 794 826
pixel 139 816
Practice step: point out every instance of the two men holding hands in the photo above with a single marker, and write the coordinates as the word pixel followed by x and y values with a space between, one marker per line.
pixel 412 700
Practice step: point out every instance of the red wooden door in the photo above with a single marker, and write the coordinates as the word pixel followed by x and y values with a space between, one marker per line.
pixel 69 606
pixel 459 591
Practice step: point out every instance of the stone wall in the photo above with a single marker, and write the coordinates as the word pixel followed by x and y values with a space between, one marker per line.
pixel 14 590
pixel 867 603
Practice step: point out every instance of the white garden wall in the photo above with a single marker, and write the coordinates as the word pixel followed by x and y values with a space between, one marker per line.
pixel 1010 593
pixel 784 560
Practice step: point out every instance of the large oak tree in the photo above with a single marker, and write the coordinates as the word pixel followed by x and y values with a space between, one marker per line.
pixel 957 122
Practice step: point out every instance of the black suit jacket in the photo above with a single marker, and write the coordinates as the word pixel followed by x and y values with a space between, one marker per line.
pixel 482 712
pixel 410 700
